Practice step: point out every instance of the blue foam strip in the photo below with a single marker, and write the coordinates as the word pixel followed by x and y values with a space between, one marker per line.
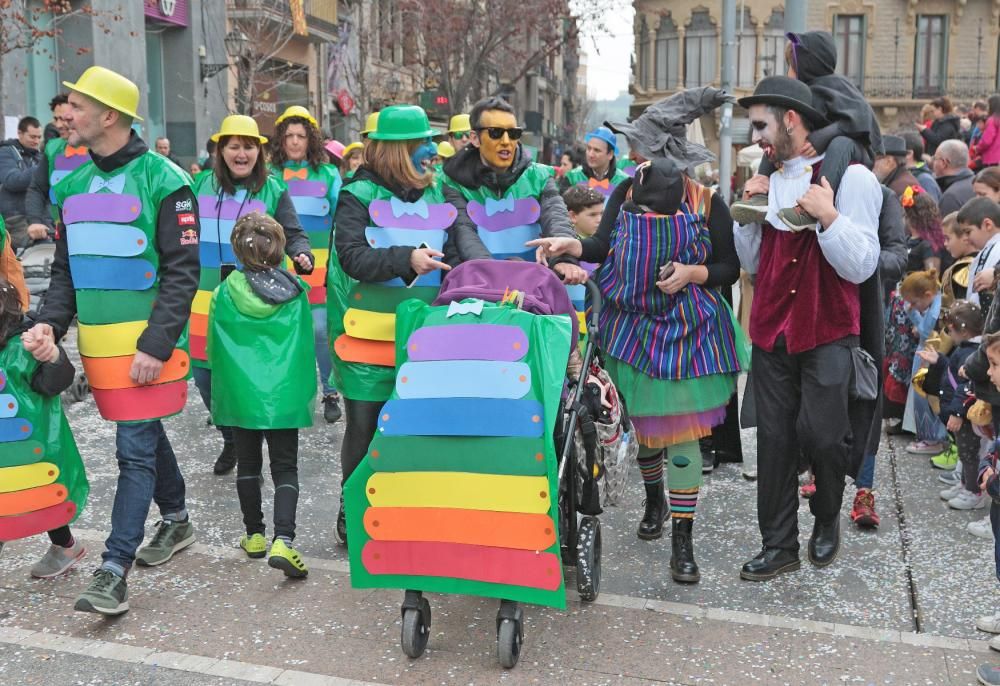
pixel 216 230
pixel 510 242
pixel 386 238
pixel 8 405
pixel 101 238
pixel 111 273
pixel 313 223
pixel 463 379
pixel 214 255
pixel 462 417
pixel 14 429
pixel 316 207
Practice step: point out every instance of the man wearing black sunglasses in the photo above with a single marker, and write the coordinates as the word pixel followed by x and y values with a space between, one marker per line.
pixel 511 199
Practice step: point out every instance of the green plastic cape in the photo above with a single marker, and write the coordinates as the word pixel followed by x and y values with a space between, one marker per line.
pixel 548 351
pixel 46 439
pixel 263 368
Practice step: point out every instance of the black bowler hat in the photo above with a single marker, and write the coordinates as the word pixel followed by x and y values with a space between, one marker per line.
pixel 782 91
pixel 894 146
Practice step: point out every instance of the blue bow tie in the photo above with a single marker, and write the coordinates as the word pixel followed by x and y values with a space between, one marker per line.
pixel 502 205
pixel 116 184
pixel 416 209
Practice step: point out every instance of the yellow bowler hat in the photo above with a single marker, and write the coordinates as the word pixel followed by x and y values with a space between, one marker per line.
pixel 297 111
pixel 108 88
pixel 371 124
pixel 351 148
pixel 446 149
pixel 239 125
pixel 459 124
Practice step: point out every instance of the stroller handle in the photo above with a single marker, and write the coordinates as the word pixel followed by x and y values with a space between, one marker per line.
pixel 596 301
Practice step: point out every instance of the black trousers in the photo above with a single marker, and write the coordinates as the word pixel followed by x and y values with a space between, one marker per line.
pixel 361 425
pixel 968 444
pixel 802 409
pixel 283 451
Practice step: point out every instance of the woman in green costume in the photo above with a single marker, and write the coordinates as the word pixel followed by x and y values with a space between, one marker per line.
pixel 394 221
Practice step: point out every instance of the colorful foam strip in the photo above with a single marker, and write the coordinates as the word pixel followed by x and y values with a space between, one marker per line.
pixel 38 522
pixel 473 527
pixel 504 214
pixel 26 476
pixel 140 404
pixel 462 417
pixel 108 373
pixel 473 562
pixel 419 216
pixel 463 379
pixel 100 238
pixel 112 273
pixel 510 242
pixel 371 326
pixel 473 454
pixel 8 405
pixel 110 340
pixel 381 353
pixel 101 207
pixel 21 452
pixel 490 492
pixel 467 342
pixel 307 188
pixel 229 208
pixel 14 429
pixel 316 207
pixel 31 499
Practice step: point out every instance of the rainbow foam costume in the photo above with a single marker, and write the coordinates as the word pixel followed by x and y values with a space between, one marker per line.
pixel 605 187
pixel 505 224
pixel 62 159
pixel 675 358
pixel 361 316
pixel 43 485
pixel 627 166
pixel 314 194
pixel 218 212
pixel 263 359
pixel 110 221
pixel 459 491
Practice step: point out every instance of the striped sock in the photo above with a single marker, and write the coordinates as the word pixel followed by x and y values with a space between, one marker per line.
pixel 683 503
pixel 651 468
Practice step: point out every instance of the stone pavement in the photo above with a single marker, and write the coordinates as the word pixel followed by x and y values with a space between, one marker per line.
pixel 897 608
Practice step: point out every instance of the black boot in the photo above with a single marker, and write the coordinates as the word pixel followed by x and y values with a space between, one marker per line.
pixel 651 526
pixel 340 531
pixel 227 459
pixel 683 568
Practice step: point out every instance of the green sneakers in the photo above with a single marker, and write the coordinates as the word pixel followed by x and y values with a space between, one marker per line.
pixel 752 210
pixel 170 537
pixel 287 560
pixel 255 546
pixel 106 595
pixel 946 460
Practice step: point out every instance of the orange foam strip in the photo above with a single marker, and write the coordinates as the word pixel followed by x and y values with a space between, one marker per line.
pixel 381 353
pixel 31 499
pixel 108 373
pixel 475 527
pixel 199 324
pixel 317 278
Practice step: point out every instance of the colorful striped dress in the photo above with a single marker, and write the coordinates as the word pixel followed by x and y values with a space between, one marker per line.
pixel 675 358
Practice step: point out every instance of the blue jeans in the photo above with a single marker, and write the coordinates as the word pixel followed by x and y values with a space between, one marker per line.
pixel 147 471
pixel 866 475
pixel 203 381
pixel 323 360
pixel 995 525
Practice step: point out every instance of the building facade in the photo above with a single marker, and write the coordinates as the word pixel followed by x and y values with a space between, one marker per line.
pixel 901 53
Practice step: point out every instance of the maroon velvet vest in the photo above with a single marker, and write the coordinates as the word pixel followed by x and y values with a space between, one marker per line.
pixel 799 294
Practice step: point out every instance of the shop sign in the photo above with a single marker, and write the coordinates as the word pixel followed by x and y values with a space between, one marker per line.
pixel 173 12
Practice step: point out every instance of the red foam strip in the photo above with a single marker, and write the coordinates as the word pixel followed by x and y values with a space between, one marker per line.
pixel 197 346
pixel 38 522
pixel 138 404
pixel 462 561
pixel 317 296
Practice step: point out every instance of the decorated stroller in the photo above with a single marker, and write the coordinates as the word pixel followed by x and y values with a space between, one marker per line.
pixel 456 492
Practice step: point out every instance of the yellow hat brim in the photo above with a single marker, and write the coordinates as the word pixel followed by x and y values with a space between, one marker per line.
pixel 216 136
pixel 100 99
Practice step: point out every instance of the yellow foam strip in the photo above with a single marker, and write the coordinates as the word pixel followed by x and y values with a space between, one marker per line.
pixel 202 299
pixel 27 476
pixel 371 326
pixel 110 340
pixel 459 490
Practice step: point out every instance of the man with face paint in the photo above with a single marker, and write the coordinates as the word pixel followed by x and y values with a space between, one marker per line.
pixel 805 322
pixel 510 198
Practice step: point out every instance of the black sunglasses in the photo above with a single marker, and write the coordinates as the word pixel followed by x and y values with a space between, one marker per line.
pixel 497 132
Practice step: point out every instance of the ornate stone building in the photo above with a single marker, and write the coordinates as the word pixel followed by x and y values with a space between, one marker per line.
pixel 901 53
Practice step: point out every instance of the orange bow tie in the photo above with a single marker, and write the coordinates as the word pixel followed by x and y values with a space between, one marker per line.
pixel 297 174
pixel 73 152
pixel 594 183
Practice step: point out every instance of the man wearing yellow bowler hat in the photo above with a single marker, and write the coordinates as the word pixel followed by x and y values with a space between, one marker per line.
pixel 459 131
pixel 127 266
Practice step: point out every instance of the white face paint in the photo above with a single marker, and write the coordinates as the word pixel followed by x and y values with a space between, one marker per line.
pixel 770 134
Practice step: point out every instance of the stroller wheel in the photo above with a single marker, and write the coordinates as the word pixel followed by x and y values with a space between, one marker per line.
pixel 510 634
pixel 416 629
pixel 77 392
pixel 588 562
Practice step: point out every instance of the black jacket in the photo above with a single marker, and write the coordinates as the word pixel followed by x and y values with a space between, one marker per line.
pixel 944 129
pixel 179 267
pixel 950 391
pixel 17 164
pixel 835 96
pixel 362 262
pixel 956 190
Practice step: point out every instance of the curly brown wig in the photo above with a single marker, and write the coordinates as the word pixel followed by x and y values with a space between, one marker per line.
pixel 315 153
pixel 924 220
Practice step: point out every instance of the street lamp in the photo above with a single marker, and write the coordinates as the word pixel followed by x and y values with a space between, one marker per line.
pixel 236 43
pixel 392 88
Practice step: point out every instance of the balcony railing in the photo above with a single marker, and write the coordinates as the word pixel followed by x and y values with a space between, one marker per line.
pixel 902 87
